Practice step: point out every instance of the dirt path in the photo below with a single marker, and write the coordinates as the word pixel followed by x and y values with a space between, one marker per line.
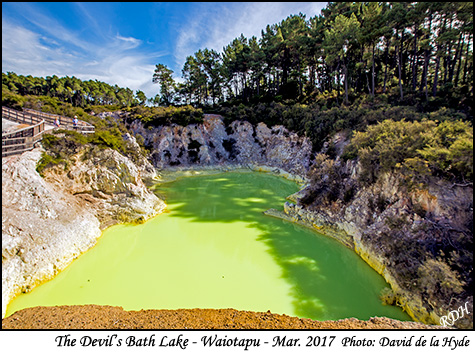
pixel 107 317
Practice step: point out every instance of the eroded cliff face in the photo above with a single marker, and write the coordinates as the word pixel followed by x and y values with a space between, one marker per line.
pixel 109 183
pixel 102 188
pixel 212 144
pixel 379 222
pixel 403 235
pixel 49 221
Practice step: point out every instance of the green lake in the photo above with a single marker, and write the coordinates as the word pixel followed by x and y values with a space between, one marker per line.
pixel 213 248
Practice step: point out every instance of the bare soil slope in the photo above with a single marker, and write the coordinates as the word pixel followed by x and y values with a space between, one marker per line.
pixel 107 317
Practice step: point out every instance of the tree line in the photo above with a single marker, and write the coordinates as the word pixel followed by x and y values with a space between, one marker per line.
pixel 406 50
pixel 72 90
pixel 409 53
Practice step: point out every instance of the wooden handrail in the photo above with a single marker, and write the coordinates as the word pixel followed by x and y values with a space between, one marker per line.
pixel 23 139
pixel 33 116
pixel 42 123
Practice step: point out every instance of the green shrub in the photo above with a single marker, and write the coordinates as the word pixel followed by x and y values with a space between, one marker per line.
pixel 415 148
pixel 62 144
pixel 449 150
pixel 48 161
pixel 111 138
pixel 437 278
pixel 159 116
pixel 12 100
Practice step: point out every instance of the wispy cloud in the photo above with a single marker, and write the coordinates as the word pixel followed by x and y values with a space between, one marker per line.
pixel 90 20
pixel 130 42
pixel 89 45
pixel 22 48
pixel 57 53
pixel 52 28
pixel 214 27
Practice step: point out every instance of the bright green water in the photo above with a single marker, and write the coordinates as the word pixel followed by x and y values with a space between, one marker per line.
pixel 215 249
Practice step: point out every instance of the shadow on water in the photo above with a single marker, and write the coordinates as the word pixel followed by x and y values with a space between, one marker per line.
pixel 328 280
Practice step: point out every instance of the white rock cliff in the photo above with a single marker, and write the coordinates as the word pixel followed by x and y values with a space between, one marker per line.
pixel 48 222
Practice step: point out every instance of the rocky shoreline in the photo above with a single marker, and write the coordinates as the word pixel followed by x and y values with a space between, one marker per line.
pixel 297 214
pixel 49 221
pixel 371 223
pixel 105 188
pixel 364 230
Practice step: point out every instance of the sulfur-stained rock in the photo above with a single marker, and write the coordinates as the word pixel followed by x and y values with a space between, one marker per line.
pixel 47 222
pixel 380 218
pixel 43 229
pixel 212 144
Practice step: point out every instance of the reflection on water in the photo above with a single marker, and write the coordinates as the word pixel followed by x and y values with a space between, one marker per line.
pixel 214 248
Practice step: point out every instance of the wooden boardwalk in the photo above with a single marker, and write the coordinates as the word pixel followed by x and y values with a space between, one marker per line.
pixel 32 125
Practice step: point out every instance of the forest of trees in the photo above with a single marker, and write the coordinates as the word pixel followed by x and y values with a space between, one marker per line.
pixel 394 78
pixel 71 89
pixel 356 64
pixel 411 52
pixel 418 53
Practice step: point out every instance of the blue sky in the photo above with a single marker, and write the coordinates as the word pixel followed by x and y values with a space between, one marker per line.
pixel 121 42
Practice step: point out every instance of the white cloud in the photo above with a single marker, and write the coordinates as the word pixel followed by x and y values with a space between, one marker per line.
pixel 215 25
pixel 28 53
pixel 24 50
pixel 128 71
pixel 131 42
pixel 43 46
pixel 52 28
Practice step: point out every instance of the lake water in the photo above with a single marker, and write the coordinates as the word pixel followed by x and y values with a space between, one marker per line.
pixel 213 248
